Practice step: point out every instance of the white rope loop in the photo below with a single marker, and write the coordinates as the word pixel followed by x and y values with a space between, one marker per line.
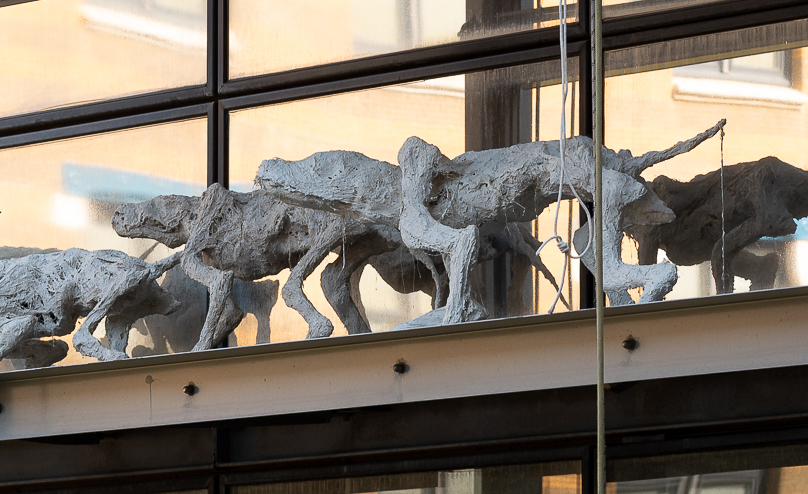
pixel 564 246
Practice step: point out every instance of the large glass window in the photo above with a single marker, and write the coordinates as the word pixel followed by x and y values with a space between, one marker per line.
pixel 57 53
pixel 737 227
pixel 62 195
pixel 273 36
pixel 548 478
pixel 746 219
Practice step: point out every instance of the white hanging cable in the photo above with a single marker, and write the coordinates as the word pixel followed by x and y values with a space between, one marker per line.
pixel 564 246
pixel 723 226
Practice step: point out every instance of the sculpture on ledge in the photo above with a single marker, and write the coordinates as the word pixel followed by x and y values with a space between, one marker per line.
pixel 443 205
pixel 249 236
pixel 43 295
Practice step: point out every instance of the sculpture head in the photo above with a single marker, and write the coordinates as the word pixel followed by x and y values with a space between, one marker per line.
pixel 167 219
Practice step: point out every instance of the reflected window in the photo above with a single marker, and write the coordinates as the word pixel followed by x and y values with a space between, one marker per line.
pixel 763 68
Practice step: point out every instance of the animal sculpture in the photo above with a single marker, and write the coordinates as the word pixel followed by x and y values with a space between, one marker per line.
pixel 442 205
pixel 43 295
pixel 248 236
pixel 761 199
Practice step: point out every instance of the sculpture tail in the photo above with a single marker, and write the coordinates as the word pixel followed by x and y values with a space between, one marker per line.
pixel 635 166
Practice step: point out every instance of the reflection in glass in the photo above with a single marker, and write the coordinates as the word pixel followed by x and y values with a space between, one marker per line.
pixel 58 53
pixel 550 478
pixel 477 111
pixel 657 93
pixel 276 35
pixel 620 8
pixel 765 470
pixel 62 194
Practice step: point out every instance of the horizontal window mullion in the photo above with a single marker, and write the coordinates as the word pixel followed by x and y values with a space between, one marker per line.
pixel 112 109
pixel 109 125
pixel 666 26
pixel 399 77
pixel 420 58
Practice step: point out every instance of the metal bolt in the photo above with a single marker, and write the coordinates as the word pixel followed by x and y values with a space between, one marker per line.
pixel 630 343
pixel 400 367
pixel 189 389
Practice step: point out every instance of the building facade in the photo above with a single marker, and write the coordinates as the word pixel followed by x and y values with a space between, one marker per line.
pixel 109 102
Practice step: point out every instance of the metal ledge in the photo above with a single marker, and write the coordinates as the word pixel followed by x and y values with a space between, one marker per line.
pixel 679 338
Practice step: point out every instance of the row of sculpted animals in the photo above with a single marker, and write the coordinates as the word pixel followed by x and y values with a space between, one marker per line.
pixel 430 214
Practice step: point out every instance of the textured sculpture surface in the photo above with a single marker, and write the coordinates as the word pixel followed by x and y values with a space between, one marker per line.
pixel 442 205
pixel 250 236
pixel 761 199
pixel 44 295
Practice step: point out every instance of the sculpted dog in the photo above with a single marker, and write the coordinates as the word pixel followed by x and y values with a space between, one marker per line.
pixel 250 236
pixel 44 295
pixel 442 205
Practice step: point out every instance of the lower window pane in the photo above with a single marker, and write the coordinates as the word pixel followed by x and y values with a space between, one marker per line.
pixel 61 195
pixel 548 478
pixel 782 470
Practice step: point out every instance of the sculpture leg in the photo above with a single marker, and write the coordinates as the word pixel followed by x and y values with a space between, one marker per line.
pixel 657 280
pixel 220 286
pixel 13 332
pixel 117 333
pixel 154 300
pixel 336 282
pixel 257 298
pixel 616 297
pixel 734 241
pixel 420 255
pixel 229 319
pixel 459 251
pixel 761 271
pixel 39 353
pixel 419 162
pixel 84 341
pixel 319 325
pixel 524 243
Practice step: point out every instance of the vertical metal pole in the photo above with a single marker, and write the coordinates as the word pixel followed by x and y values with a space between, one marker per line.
pixel 597 75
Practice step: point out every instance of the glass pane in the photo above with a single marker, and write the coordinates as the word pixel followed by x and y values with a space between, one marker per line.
pixel 275 35
pixel 549 478
pixel 61 195
pixel 620 8
pixel 57 53
pixel 779 470
pixel 740 223
pixel 484 110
